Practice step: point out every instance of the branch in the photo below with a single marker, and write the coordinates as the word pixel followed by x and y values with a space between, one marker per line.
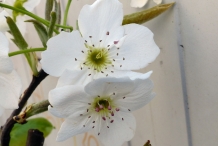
pixel 5 136
pixel 35 138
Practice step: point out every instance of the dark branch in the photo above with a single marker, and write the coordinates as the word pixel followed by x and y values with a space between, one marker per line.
pixel 5 136
pixel 35 138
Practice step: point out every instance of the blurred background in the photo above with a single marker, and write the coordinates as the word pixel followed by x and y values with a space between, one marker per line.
pixel 185 110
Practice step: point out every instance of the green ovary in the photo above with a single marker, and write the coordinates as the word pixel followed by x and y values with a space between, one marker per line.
pixel 97 59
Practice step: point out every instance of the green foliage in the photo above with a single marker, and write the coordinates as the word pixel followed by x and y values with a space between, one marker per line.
pixel 19 132
pixel 146 15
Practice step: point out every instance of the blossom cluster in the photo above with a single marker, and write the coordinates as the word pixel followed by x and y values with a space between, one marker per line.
pixel 97 87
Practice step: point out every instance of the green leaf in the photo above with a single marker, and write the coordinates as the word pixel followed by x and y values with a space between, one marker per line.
pixel 52 24
pixel 48 9
pixel 58 11
pixel 146 15
pixel 19 132
pixel 41 30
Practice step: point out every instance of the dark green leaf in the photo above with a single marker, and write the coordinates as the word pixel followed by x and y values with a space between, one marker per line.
pixel 48 9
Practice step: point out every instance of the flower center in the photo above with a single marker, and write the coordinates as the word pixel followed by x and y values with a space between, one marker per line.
pixel 97 58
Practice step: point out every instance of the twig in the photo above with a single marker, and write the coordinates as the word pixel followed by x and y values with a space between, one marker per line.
pixel 35 138
pixel 5 136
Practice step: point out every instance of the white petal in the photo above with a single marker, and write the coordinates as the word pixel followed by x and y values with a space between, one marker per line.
pixel 61 53
pixel 3 24
pixel 74 77
pixel 138 49
pixel 158 1
pixel 119 131
pixel 131 74
pixel 140 96
pixel 108 86
pixel 31 4
pixel 99 18
pixel 70 127
pixel 68 100
pixel 138 3
pixel 21 24
pixel 10 88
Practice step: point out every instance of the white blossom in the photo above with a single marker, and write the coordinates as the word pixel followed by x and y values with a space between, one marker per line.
pixel 10 83
pixel 141 3
pixel 28 5
pixel 104 105
pixel 105 49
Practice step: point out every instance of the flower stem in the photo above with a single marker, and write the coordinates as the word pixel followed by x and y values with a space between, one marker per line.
pixel 5 135
pixel 66 12
pixel 43 21
pixel 25 51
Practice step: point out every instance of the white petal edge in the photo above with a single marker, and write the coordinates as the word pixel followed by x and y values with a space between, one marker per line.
pixel 68 100
pixel 10 89
pixel 71 127
pixel 119 131
pixel 31 4
pixel 62 53
pixel 74 77
pixel 139 97
pixel 108 86
pixel 138 3
pixel 98 19
pixel 3 24
pixel 158 1
pixel 131 74
pixel 138 48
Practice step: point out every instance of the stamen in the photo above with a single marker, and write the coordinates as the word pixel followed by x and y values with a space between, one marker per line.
pixel 117 54
pixel 108 33
pixel 123 58
pixel 129 110
pixel 117 109
pixel 93 45
pixel 90 36
pixel 120 65
pixel 82 51
pixel 113 59
pixel 112 113
pixel 118 48
pixel 102 72
pixel 89 103
pixel 113 93
pixel 116 42
pixel 100 41
pixel 93 127
pixel 97 109
pixel 107 126
pixel 112 71
pixel 81 114
pixel 86 41
pixel 83 125
pixel 123 119
pixel 108 45
pixel 89 74
pixel 87 110
pixel 75 59
pixel 111 121
pixel 124 97
pixel 98 133
pixel 109 107
pixel 93 122
pixel 104 118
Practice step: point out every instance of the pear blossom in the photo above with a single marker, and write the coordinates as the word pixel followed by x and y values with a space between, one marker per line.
pixel 101 48
pixel 104 105
pixel 20 18
pixel 141 3
pixel 10 84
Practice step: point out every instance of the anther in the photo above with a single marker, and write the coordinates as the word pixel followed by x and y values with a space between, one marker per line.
pixel 129 110
pixel 124 97
pixel 102 72
pixel 81 114
pixel 93 45
pixel 93 127
pixel 123 119
pixel 98 133
pixel 113 59
pixel 113 93
pixel 108 45
pixel 107 126
pixel 81 68
pixel 89 103
pixel 123 58
pixel 87 110
pixel 118 48
pixel 112 71
pixel 90 36
pixel 89 117
pixel 112 113
pixel 75 59
pixel 112 121
pixel 86 41
pixel 93 122
pixel 109 107
pixel 120 65
pixel 117 54
pixel 100 41
pixel 83 125
pixel 82 51
pixel 98 95
pixel 104 118
pixel 90 74
pixel 117 109
pixel 108 33
pixel 115 42
pixel 106 75
pixel 97 109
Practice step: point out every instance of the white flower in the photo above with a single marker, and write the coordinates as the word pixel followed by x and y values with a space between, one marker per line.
pixel 106 48
pixel 141 3
pixel 10 84
pixel 28 5
pixel 103 105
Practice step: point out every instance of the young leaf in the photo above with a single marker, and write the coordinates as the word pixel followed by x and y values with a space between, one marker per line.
pixel 146 15
pixel 58 11
pixel 19 132
pixel 52 24
pixel 41 30
pixel 48 9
